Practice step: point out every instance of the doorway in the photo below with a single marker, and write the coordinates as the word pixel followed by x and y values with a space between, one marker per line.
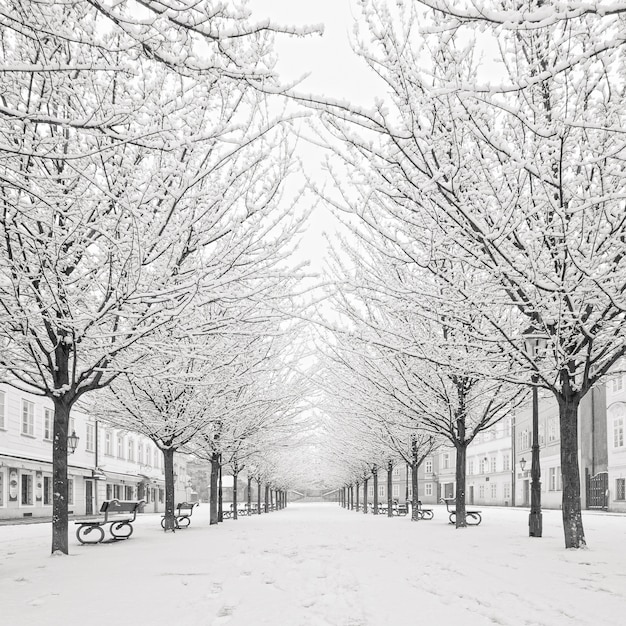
pixel 526 493
pixel 89 497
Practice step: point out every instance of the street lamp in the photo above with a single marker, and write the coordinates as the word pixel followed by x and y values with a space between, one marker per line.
pixel 522 464
pixel 535 342
pixel 72 442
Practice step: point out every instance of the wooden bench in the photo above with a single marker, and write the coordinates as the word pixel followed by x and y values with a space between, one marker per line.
pixel 182 515
pixel 400 508
pixel 472 518
pixel 423 513
pixel 91 531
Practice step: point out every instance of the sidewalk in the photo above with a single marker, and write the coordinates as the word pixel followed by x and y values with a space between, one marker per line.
pixel 321 565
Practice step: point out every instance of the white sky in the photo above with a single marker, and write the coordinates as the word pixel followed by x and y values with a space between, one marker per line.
pixel 333 71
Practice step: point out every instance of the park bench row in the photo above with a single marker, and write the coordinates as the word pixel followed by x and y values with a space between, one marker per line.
pixel 472 516
pixel 119 515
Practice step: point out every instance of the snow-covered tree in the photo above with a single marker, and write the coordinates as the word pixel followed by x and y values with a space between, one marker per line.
pixel 518 163
pixel 131 166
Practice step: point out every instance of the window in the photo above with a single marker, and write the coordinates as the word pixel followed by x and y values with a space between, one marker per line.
pixel 620 488
pixel 396 491
pixel 553 434
pixel 470 467
pixel 554 479
pixel 618 432
pixel 396 471
pixel 117 492
pixel 428 467
pixel 48 420
pixel 2 410
pixel 492 465
pixel 27 489
pixel 91 438
pixel 128 493
pixel 446 460
pixel 70 491
pixel 506 462
pixel 2 481
pixel 140 453
pixel 428 489
pixel 108 444
pixel 525 442
pixel 148 456
pixel 381 491
pixel 28 418
pixel 370 491
pixel 109 491
pixel 494 491
pixel 120 447
pixel 47 490
pixel 131 450
pixel 507 491
pixel 618 383
pixel 481 491
pixel 507 427
pixel 482 466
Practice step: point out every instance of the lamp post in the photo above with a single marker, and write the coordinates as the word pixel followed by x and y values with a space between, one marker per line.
pixel 535 343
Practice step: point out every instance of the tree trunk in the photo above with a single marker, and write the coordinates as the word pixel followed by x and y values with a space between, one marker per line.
pixel 572 518
pixel 59 476
pixel 461 455
pixel 258 496
pixel 220 495
pixel 414 488
pixel 169 521
pixel 215 471
pixel 389 489
pixel 235 494
pixel 375 474
pixel 357 494
pixel 249 495
pixel 365 481
pixel 267 489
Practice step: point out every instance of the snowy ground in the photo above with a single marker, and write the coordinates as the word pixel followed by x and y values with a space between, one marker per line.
pixel 320 565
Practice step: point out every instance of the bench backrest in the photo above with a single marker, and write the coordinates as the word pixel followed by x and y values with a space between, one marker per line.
pixel 186 506
pixel 111 507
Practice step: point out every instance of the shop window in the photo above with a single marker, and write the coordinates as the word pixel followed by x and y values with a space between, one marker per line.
pixel 117 492
pixel 47 490
pixel 27 489
pixel 28 418
pixel 128 495
pixel 620 489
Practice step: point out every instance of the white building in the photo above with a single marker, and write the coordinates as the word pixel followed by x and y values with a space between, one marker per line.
pixel 108 463
pixel 616 448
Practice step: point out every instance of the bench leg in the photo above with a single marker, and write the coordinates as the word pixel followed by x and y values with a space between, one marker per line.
pixel 121 530
pixel 89 534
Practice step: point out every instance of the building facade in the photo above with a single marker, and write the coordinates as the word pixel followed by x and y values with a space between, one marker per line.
pixel 108 462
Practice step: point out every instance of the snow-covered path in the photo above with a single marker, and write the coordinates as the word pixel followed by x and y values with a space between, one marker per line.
pixel 319 565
